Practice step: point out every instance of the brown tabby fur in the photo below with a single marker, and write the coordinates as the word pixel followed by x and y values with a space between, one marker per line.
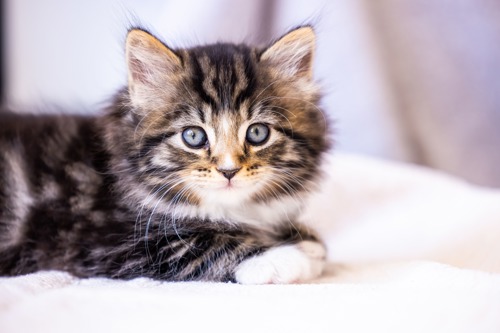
pixel 119 195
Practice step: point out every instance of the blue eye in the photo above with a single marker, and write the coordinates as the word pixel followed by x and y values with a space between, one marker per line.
pixel 194 137
pixel 257 134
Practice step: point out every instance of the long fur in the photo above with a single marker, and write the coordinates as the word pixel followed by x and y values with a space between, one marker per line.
pixel 121 195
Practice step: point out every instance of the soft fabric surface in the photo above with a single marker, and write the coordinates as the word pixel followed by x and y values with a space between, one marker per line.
pixel 410 250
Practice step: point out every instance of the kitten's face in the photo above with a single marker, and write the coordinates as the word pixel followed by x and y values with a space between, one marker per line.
pixel 224 124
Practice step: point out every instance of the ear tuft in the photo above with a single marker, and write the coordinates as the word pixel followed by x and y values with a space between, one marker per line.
pixel 292 55
pixel 148 59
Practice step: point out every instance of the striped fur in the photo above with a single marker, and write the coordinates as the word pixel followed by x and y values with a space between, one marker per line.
pixel 121 195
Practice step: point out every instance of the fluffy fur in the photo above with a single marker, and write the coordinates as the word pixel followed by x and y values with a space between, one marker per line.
pixel 123 195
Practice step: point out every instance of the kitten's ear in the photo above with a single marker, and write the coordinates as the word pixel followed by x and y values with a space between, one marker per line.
pixel 149 61
pixel 292 54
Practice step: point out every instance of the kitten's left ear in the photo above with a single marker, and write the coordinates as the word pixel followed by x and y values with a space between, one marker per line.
pixel 292 54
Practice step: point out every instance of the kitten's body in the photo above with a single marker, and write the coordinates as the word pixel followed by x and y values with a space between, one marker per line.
pixel 122 196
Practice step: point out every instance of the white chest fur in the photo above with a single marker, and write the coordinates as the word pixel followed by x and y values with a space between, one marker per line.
pixel 261 215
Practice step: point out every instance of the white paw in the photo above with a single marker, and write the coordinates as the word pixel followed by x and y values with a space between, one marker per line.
pixel 283 264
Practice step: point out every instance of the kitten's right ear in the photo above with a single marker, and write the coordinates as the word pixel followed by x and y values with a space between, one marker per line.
pixel 150 63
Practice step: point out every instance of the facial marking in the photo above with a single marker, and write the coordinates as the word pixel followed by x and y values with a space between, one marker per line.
pixel 228 163
pixel 232 91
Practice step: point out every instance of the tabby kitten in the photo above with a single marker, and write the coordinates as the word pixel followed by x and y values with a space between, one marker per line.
pixel 197 171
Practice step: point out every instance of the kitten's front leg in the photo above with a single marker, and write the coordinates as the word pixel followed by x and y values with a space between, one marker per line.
pixel 242 255
pixel 293 262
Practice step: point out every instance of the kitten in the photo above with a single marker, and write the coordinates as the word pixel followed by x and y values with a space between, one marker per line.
pixel 197 170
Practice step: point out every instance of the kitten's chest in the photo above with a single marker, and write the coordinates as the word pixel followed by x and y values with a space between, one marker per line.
pixel 261 215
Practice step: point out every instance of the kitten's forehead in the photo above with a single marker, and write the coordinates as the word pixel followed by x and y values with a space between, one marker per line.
pixel 223 75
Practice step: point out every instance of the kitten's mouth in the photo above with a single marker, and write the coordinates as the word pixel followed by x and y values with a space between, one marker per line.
pixel 232 186
pixel 227 186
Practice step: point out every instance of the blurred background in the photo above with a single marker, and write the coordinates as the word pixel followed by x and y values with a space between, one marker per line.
pixel 415 81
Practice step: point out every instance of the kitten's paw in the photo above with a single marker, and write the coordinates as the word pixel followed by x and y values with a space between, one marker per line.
pixel 283 264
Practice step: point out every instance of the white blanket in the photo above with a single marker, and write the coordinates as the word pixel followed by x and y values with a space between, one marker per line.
pixel 410 250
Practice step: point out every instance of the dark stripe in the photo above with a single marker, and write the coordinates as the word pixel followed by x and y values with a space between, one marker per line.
pixel 101 163
pixel 197 81
pixel 251 80
pixel 162 170
pixel 182 110
pixel 201 114
pixel 184 263
pixel 205 264
pixel 178 112
pixel 252 108
pixel 291 164
pixel 203 250
pixel 297 138
pixel 232 77
pixel 217 85
pixel 287 131
pixel 152 142
pixel 245 150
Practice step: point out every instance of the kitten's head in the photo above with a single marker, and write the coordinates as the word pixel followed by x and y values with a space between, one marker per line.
pixel 223 124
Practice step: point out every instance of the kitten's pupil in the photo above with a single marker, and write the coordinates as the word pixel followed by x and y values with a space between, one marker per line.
pixel 257 134
pixel 194 137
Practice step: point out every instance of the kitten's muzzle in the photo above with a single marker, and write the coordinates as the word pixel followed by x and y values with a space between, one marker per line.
pixel 228 173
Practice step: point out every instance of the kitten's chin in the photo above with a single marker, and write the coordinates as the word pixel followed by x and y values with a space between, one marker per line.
pixel 229 186
pixel 227 194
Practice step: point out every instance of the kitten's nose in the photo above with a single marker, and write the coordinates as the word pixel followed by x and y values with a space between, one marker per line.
pixel 229 173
